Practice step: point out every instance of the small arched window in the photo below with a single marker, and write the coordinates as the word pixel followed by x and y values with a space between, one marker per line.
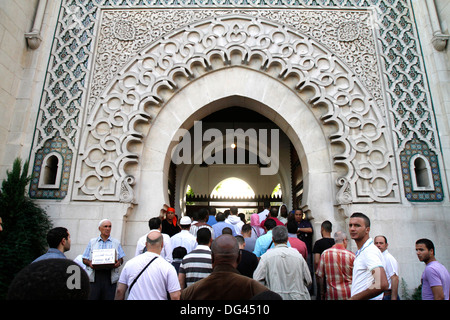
pixel 50 177
pixel 421 174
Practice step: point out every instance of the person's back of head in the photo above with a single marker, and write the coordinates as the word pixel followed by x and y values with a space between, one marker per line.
pixel 234 210
pixel 220 216
pixel 225 250
pixel 340 236
pixel 240 240
pixel 203 236
pixel 179 252
pixel 227 230
pixel 280 234
pixel 154 223
pixel 50 279
pixel 246 228
pixel 327 226
pixel 55 236
pixel 291 226
pixel 273 212
pixel 155 242
pixel 203 215
pixel 269 224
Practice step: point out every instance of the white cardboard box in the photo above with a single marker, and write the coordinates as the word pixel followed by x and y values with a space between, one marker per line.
pixel 104 257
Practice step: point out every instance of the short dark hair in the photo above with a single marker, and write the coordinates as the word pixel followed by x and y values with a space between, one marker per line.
pixel 154 223
pixel 327 226
pixel 234 210
pixel 179 252
pixel 428 243
pixel 246 228
pixel 363 216
pixel 220 216
pixel 240 239
pixel 203 236
pixel 203 214
pixel 279 234
pixel 55 236
pixel 227 230
pixel 292 226
pixel 269 224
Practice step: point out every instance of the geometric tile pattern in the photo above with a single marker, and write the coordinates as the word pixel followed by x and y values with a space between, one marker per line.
pixel 417 147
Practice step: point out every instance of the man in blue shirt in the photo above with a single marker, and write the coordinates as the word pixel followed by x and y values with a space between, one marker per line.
pixel 58 240
pixel 264 242
pixel 103 280
pixel 221 224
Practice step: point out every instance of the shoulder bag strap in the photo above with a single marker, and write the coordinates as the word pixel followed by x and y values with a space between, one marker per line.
pixel 269 245
pixel 135 279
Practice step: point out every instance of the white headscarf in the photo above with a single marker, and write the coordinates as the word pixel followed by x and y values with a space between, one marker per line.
pixel 282 219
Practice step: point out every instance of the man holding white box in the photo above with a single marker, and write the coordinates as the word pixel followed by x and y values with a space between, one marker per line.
pixel 103 257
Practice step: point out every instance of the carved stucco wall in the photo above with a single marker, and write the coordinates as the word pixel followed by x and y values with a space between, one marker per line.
pixel 360 57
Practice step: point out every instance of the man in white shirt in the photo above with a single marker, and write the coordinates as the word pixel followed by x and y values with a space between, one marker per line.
pixel 234 220
pixel 184 238
pixel 284 270
pixel 263 214
pixel 158 279
pixel 391 268
pixel 155 225
pixel 369 277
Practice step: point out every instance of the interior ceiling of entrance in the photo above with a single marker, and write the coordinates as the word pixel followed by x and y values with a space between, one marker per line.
pixel 236 113
pixel 238 117
pixel 241 117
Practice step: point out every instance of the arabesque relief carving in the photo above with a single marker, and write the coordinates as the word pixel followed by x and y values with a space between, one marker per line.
pixel 327 55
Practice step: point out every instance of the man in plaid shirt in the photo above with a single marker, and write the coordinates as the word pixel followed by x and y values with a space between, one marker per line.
pixel 335 270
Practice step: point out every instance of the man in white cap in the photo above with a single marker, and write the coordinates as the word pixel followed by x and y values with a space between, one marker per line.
pixel 184 238
pixel 103 281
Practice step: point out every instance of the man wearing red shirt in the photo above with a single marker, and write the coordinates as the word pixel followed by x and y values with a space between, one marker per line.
pixel 336 266
pixel 295 242
pixel 272 215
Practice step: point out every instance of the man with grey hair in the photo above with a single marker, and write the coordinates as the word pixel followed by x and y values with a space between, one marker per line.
pixel 148 276
pixel 103 280
pixel 335 270
pixel 283 269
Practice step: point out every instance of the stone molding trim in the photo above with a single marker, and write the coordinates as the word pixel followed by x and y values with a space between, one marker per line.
pixel 153 75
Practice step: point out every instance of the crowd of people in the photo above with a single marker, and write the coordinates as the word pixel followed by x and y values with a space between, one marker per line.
pixel 213 255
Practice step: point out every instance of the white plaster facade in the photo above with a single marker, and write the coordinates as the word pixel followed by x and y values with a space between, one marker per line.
pixel 277 97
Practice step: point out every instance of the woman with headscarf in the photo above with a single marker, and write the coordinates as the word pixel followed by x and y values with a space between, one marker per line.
pixel 257 231
pixel 283 214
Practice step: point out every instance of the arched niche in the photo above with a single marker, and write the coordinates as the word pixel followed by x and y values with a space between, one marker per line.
pixel 295 119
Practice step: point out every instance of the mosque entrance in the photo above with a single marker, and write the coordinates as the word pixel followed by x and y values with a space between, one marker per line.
pixel 231 171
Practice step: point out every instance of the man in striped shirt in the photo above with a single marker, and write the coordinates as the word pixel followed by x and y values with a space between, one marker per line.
pixel 335 270
pixel 197 264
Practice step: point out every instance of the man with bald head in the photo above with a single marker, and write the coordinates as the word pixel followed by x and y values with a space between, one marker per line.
pixel 225 282
pixel 148 276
